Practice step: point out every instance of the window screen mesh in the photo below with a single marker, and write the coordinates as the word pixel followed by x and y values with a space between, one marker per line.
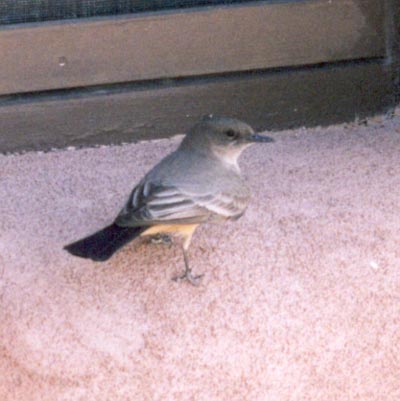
pixel 22 11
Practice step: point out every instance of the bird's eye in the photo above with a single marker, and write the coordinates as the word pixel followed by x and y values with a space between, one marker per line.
pixel 231 134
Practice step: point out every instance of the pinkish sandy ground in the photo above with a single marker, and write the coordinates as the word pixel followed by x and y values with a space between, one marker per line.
pixel 300 300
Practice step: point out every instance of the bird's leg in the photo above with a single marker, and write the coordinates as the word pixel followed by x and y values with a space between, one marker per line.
pixel 194 280
pixel 187 275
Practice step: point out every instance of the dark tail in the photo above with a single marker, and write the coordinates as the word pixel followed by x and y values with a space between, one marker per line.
pixel 101 245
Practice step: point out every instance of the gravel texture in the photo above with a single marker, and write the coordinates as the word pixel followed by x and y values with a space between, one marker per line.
pixel 300 298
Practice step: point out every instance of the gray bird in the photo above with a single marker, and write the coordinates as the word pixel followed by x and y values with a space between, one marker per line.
pixel 200 182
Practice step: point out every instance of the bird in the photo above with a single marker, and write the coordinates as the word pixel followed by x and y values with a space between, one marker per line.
pixel 200 182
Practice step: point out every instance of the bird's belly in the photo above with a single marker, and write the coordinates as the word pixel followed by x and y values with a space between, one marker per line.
pixel 183 229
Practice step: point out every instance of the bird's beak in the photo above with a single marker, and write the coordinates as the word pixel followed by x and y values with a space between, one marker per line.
pixel 260 138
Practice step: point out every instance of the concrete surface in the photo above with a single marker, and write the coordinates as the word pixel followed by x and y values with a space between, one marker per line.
pixel 300 299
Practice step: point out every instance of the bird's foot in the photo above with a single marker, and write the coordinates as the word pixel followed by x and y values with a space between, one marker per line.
pixel 194 280
pixel 164 239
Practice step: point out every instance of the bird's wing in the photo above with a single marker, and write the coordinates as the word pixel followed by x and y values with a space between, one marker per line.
pixel 150 203
pixel 226 205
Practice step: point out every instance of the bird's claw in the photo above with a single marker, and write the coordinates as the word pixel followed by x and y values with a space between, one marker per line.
pixel 164 239
pixel 194 280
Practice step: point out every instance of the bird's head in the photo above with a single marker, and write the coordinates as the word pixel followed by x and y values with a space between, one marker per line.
pixel 224 137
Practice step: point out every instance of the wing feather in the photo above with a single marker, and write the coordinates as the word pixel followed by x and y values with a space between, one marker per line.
pixel 150 203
